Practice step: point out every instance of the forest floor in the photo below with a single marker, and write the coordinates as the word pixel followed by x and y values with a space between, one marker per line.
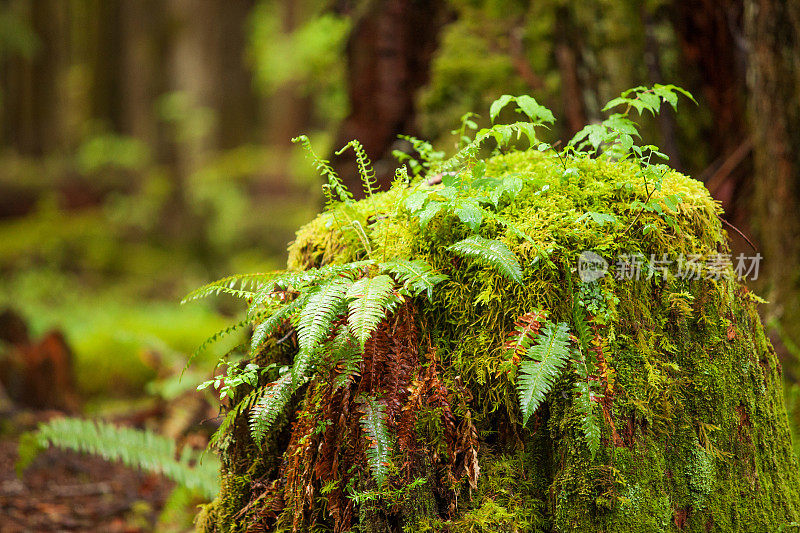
pixel 66 491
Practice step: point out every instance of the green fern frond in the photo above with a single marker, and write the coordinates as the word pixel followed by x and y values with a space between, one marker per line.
pixel 537 377
pixel 270 406
pixel 371 299
pixel 234 413
pixel 590 422
pixel 136 448
pixel 417 276
pixel 299 280
pixel 326 302
pixel 514 229
pixel 335 184
pixel 373 422
pixel 346 355
pixel 492 253
pixel 271 323
pixel 365 169
pixel 228 285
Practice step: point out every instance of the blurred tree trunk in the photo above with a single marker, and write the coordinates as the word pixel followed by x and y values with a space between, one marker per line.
pixel 710 35
pixel 772 28
pixel 388 58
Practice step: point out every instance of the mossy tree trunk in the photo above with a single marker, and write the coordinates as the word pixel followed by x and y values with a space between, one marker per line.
pixel 685 387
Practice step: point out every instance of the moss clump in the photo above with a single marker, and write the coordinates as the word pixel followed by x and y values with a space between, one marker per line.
pixel 667 415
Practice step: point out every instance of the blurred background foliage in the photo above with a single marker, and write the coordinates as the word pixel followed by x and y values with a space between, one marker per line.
pixel 145 144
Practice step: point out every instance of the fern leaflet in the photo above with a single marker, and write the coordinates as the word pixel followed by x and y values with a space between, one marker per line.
pixel 270 406
pixel 371 299
pixel 373 422
pixel 537 377
pixel 228 285
pixel 335 184
pixel 590 423
pixel 365 169
pixel 492 253
pixel 417 276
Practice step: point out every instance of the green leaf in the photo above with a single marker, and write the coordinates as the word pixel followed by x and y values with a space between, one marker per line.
pixel 538 376
pixel 470 214
pixel 417 276
pixel 416 200
pixel 535 111
pixel 325 303
pixel 430 211
pixel 373 422
pixel 370 301
pixel 492 253
pixel 498 105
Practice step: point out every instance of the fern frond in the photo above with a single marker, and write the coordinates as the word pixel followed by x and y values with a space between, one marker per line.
pixel 299 280
pixel 525 331
pixel 373 422
pixel 335 184
pixel 347 355
pixel 270 406
pixel 136 448
pixel 271 323
pixel 326 302
pixel 365 169
pixel 228 285
pixel 513 228
pixel 371 298
pixel 492 253
pixel 581 326
pixel 590 423
pixel 537 377
pixel 417 276
pixel 234 413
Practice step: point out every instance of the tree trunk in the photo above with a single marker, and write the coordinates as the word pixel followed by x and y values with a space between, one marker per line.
pixel 388 58
pixel 772 28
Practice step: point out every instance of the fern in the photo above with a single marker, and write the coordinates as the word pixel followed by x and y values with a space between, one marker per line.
pixel 373 422
pixel 270 406
pixel 537 377
pixel 271 323
pixel 365 169
pixel 335 186
pixel 347 356
pixel 492 253
pixel 235 412
pixel 325 303
pixel 590 424
pixel 526 329
pixel 306 278
pixel 371 299
pixel 417 276
pixel 228 285
pixel 136 448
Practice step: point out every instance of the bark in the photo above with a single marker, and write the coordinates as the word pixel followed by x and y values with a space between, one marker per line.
pixel 388 56
pixel 774 106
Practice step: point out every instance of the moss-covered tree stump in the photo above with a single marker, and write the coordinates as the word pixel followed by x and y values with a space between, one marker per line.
pixel 653 402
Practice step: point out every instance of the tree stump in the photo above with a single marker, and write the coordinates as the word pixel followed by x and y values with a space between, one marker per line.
pixel 670 367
